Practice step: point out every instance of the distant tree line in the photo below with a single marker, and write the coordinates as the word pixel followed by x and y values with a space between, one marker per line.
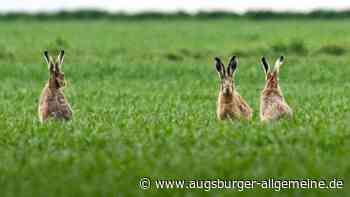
pixel 96 14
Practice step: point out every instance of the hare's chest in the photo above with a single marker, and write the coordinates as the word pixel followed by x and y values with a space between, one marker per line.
pixel 274 107
pixel 228 110
pixel 55 102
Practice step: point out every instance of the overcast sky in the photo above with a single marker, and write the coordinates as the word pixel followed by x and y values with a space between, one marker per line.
pixel 171 5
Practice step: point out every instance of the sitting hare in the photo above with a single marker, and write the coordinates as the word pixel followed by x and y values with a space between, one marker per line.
pixel 230 104
pixel 272 103
pixel 52 103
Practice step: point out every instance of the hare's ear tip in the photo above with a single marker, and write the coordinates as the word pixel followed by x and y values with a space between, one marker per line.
pixel 62 50
pixel 234 60
pixel 217 59
pixel 282 58
pixel 46 54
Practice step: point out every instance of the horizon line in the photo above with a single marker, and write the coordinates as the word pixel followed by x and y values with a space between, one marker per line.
pixel 161 11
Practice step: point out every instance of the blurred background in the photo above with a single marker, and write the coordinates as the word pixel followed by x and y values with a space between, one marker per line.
pixel 170 6
pixel 191 6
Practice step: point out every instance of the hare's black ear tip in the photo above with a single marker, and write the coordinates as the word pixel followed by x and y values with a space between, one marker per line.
pixel 62 51
pixel 46 52
pixel 282 58
pixel 217 59
pixel 263 58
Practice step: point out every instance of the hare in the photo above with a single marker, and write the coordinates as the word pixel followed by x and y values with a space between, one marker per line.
pixel 230 104
pixel 272 103
pixel 52 103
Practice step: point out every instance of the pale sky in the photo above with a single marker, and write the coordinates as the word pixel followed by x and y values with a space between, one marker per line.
pixel 133 6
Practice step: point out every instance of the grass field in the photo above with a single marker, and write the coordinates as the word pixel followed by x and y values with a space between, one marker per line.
pixel 144 99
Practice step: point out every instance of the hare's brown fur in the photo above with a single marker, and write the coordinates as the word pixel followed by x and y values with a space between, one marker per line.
pixel 53 103
pixel 233 107
pixel 272 103
pixel 230 104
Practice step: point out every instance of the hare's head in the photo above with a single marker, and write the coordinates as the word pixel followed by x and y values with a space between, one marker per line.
pixel 226 76
pixel 271 75
pixel 56 75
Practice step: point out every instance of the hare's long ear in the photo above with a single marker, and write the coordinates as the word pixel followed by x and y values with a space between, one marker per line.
pixel 48 61
pixel 265 64
pixel 60 57
pixel 232 66
pixel 46 57
pixel 220 67
pixel 278 64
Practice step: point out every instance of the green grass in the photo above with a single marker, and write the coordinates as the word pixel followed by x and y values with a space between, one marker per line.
pixel 144 100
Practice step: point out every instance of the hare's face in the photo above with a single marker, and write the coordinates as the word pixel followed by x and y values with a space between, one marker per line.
pixel 272 80
pixel 272 75
pixel 227 86
pixel 56 76
pixel 59 77
pixel 226 76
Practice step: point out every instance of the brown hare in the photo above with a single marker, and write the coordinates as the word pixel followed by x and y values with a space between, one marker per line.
pixel 272 103
pixel 52 103
pixel 230 104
